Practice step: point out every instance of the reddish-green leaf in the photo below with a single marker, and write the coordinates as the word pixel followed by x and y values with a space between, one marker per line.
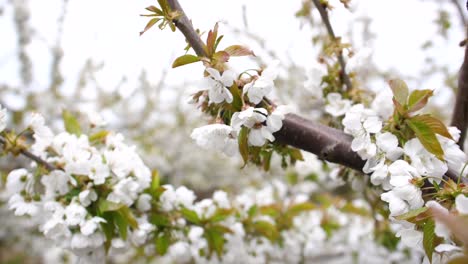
pixel 435 124
pixel 184 60
pixel 211 39
pixel 149 25
pixel 244 144
pixel 418 99
pixel 221 56
pixel 238 50
pixel 428 238
pixel 155 10
pixel 400 90
pixel 427 137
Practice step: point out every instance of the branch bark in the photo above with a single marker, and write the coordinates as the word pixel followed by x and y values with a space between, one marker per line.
pixel 460 112
pixel 328 143
pixel 33 157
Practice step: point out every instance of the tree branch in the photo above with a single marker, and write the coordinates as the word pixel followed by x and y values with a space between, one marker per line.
pixel 328 143
pixel 33 157
pixel 324 15
pixel 460 11
pixel 460 112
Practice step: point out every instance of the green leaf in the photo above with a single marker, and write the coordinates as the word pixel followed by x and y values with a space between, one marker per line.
pixel 238 50
pixel 184 60
pixel 244 144
pixel 215 237
pixel 301 207
pixel 252 211
pixel 267 229
pixel 220 215
pixel 99 136
pixel 426 136
pixel 121 223
pixel 295 154
pixel 149 25
pixel 164 6
pixel 411 214
pixel 267 160
pixel 190 215
pixel 418 99
pixel 71 123
pixel 428 238
pixel 162 243
pixel 129 217
pixel 400 90
pixel 435 124
pixel 108 206
pixel 155 181
pixel 160 220
pixel 237 97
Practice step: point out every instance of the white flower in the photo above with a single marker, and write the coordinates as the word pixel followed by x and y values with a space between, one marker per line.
pixel 388 143
pixel 57 182
pixel 461 203
pixel 180 251
pixel 21 207
pixel 3 116
pixel 95 119
pixel 125 191
pixel 139 236
pixel 248 118
pixel 86 197
pixel 456 159
pixel 43 136
pixel 382 104
pixel 185 197
pixel 262 86
pixel 336 105
pixel 75 214
pixel 88 227
pixel 217 137
pixel 144 202
pixel 17 180
pixel 221 199
pixel 218 83
pixel 425 163
pixel 411 238
pixel 99 171
pixel 440 229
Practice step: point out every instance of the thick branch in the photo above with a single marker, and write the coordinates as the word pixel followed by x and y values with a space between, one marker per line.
pixel 324 15
pixel 328 143
pixel 460 112
pixel 33 157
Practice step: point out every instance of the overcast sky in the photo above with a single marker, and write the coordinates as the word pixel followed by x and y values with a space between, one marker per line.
pixel 107 31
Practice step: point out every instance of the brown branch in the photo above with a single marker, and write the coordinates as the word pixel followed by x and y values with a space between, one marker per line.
pixel 328 143
pixel 460 112
pixel 33 157
pixel 324 15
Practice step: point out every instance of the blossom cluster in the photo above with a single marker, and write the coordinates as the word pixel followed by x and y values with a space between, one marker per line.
pixel 402 165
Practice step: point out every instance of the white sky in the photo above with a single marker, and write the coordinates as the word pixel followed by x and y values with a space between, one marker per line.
pixel 107 30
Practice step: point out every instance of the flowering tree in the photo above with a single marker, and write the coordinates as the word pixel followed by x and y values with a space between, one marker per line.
pixel 381 179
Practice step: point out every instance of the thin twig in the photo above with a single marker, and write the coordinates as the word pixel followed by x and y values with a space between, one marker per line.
pixel 324 15
pixel 33 157
pixel 460 11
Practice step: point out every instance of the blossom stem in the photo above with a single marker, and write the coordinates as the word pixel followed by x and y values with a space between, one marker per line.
pixel 33 157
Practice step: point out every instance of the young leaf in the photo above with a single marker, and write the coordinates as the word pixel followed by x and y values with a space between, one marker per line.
pixel 155 181
pixel 435 124
pixel 184 60
pixel 162 243
pixel 244 144
pixel 411 214
pixel 215 238
pixel 129 217
pixel 221 56
pixel 71 123
pixel 160 220
pixel 149 25
pixel 418 99
pixel 99 136
pixel 121 223
pixel 428 238
pixel 155 10
pixel 238 50
pixel 211 39
pixel 426 136
pixel 108 206
pixel 267 229
pixel 190 215
pixel 400 90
